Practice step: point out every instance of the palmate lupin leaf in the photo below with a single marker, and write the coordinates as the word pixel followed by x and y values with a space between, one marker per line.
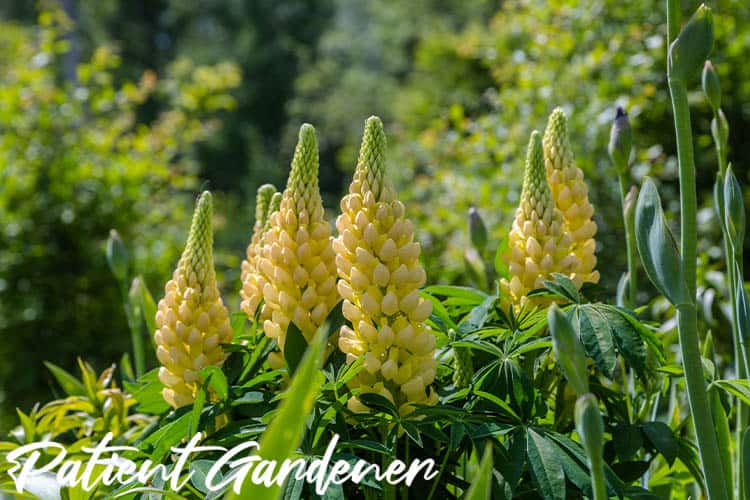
pixel 658 248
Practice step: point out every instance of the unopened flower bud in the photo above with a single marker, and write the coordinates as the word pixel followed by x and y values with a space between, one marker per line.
pixel 711 85
pixel 568 350
pixel 620 141
pixel 590 428
pixel 720 129
pixel 692 46
pixel 117 256
pixel 734 210
pixel 477 230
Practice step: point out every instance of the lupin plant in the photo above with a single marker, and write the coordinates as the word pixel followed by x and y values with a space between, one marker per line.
pixel 571 195
pixel 192 321
pixel 297 260
pixel 539 244
pixel 252 279
pixel 673 272
pixel 380 276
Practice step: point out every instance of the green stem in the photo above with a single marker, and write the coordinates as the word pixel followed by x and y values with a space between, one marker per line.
pixel 598 482
pixel 629 221
pixel 687 318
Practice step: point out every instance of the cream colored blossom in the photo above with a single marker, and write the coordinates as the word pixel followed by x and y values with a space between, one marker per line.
pixel 252 280
pixel 191 319
pixel 539 246
pixel 570 192
pixel 378 263
pixel 297 260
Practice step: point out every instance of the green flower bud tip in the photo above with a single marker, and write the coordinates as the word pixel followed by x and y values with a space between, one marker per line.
pixel 711 85
pixel 568 350
pixel 734 210
pixel 620 140
pixel 692 46
pixel 262 202
pixel 370 171
pixel 477 229
pixel 117 256
pixel 590 426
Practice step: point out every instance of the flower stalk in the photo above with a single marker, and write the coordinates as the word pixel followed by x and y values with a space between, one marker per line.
pixel 687 54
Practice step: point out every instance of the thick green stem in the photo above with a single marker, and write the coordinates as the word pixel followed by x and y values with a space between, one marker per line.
pixel 687 318
pixel 598 482
pixel 628 217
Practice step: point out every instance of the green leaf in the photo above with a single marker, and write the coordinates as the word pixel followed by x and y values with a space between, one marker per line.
pixel 505 407
pixel 739 388
pixel 546 469
pixel 627 337
pixel 148 307
pixel 478 316
pixel 286 430
pixel 295 346
pixel 481 485
pixel 216 380
pixel 745 463
pixel 628 440
pixel 596 335
pixel 200 469
pixel 662 439
pixel 563 287
pixel 71 385
pixel 657 247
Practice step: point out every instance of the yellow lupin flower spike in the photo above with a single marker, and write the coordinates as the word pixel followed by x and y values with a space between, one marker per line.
pixel 539 246
pixel 571 195
pixel 191 320
pixel 378 263
pixel 252 279
pixel 297 261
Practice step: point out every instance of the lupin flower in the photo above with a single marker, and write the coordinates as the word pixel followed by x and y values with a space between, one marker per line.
pixel 571 195
pixel 538 244
pixel 252 279
pixel 298 263
pixel 378 263
pixel 192 320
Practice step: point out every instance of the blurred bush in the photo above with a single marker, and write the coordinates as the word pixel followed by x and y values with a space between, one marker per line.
pixel 466 89
pixel 78 157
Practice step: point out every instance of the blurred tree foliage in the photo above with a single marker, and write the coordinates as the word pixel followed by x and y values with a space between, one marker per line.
pixel 74 162
pixel 461 93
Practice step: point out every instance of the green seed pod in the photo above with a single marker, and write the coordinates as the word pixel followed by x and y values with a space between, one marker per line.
pixel 620 141
pixel 711 85
pixel 568 350
pixel 477 230
pixel 692 46
pixel 734 210
pixel 590 427
pixel 117 256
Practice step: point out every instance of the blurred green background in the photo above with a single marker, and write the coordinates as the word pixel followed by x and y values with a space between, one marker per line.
pixel 114 114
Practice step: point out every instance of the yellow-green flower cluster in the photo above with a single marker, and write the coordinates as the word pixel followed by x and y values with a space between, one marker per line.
pixel 297 260
pixel 191 320
pixel 571 195
pixel 252 279
pixel 378 263
pixel 538 244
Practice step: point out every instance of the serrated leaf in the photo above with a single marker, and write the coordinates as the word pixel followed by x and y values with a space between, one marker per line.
pixel 563 287
pixel 596 336
pixel 657 247
pixel 546 469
